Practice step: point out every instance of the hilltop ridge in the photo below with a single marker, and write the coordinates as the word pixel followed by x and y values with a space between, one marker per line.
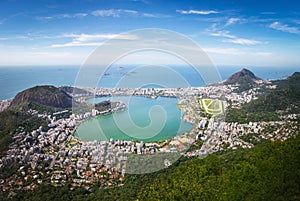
pixel 245 79
pixel 244 73
pixel 47 95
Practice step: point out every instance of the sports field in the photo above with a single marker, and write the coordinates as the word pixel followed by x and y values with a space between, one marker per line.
pixel 212 106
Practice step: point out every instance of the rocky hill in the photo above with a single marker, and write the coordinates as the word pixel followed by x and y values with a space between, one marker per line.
pixel 245 79
pixel 243 74
pixel 49 96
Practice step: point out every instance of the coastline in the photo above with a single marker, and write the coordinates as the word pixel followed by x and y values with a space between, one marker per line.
pixel 55 75
pixel 99 115
pixel 148 97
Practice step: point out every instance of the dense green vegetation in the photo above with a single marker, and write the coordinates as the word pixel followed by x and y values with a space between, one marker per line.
pixel 11 120
pixel 44 99
pixel 196 145
pixel 49 96
pixel 23 107
pixel 244 78
pixel 270 171
pixel 8 170
pixel 243 115
pixel 104 105
pixel 270 104
pixel 245 83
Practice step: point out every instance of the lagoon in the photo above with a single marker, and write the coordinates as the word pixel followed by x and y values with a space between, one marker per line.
pixel 145 120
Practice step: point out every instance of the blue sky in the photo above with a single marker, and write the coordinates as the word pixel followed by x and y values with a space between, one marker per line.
pixel 242 32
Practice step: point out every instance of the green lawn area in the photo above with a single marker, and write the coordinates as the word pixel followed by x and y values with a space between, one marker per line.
pixel 212 106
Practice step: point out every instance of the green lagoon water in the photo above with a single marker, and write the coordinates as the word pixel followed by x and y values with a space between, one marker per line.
pixel 145 120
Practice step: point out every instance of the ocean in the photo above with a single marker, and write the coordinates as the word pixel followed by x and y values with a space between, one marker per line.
pixel 16 79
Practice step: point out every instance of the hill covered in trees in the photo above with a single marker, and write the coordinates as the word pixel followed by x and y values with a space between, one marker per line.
pixel 270 171
pixel 11 120
pixel 48 96
pixel 245 79
pixel 284 99
pixel 41 98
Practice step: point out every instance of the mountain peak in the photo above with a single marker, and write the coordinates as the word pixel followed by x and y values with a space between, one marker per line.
pixel 44 95
pixel 245 70
pixel 245 79
pixel 295 75
pixel 243 74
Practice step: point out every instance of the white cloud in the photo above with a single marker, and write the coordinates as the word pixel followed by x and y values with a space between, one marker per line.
pixel 17 37
pixel 142 1
pixel 285 28
pixel 231 38
pixel 113 12
pixel 235 51
pixel 76 44
pixel 102 13
pixel 119 12
pixel 197 12
pixel 80 15
pixel 225 34
pixel 264 54
pixel 16 56
pixel 242 57
pixel 151 15
pixel 227 51
pixel 84 40
pixel 92 37
pixel 62 16
pixel 243 41
pixel 232 21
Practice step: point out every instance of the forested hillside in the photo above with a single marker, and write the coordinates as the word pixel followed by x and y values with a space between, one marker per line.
pixel 270 171
pixel 284 99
